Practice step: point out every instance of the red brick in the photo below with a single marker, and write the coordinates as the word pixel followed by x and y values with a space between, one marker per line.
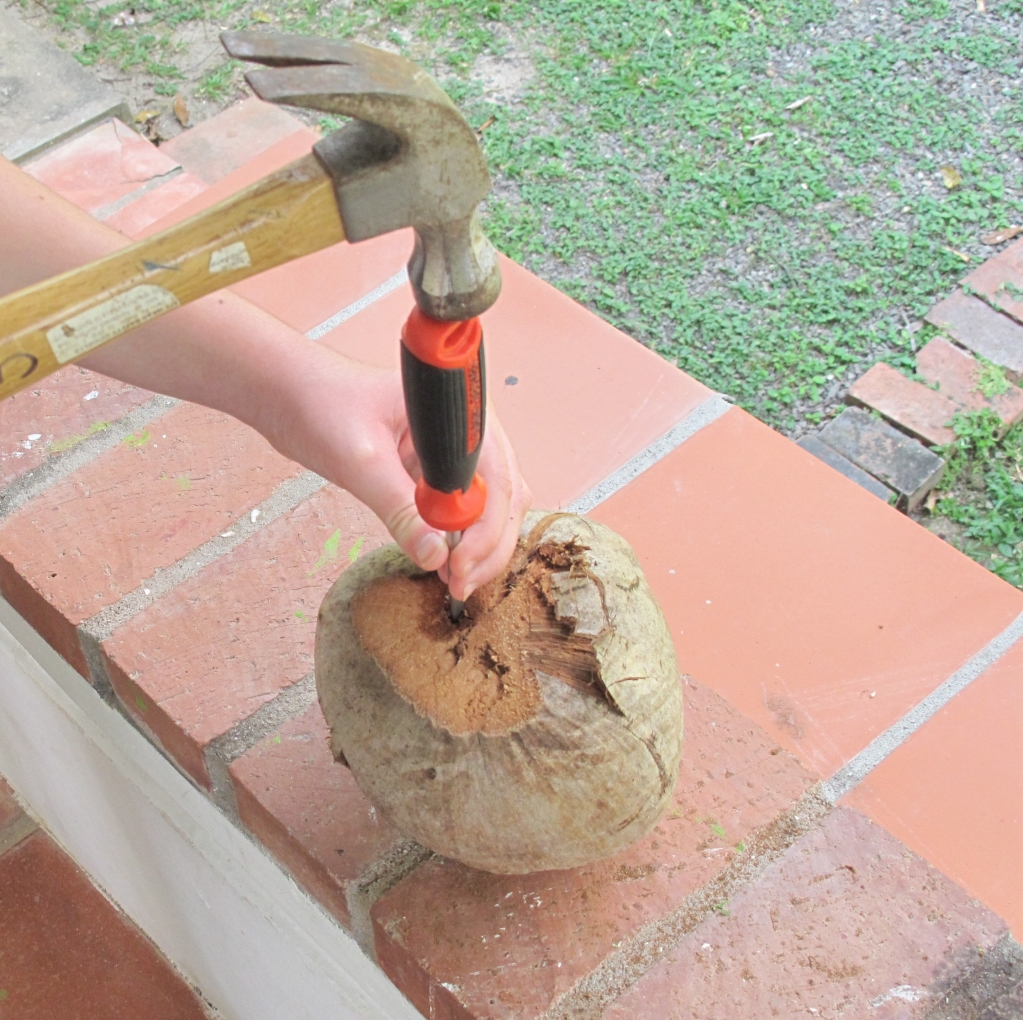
pixel 212 651
pixel 9 807
pixel 795 595
pixel 506 946
pixel 953 790
pixel 133 219
pixel 58 411
pixel 919 410
pixel 218 146
pixel 846 923
pixel 100 167
pixel 67 953
pixel 586 398
pixel 96 535
pixel 1000 280
pixel 306 291
pixel 308 812
pixel 958 377
pixel 978 327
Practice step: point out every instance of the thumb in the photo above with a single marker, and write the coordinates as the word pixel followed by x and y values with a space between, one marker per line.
pixel 390 493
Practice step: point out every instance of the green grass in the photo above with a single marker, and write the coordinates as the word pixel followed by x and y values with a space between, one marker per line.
pixel 660 167
pixel 984 479
pixel 769 270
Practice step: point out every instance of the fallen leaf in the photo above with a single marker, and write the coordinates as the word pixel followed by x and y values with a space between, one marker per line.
pixel 262 17
pixel 950 177
pixel 145 116
pixel 962 255
pixel 762 137
pixel 180 110
pixel 798 103
pixel 998 236
pixel 932 500
pixel 483 127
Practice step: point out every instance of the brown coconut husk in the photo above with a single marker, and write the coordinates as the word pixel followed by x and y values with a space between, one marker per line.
pixel 541 731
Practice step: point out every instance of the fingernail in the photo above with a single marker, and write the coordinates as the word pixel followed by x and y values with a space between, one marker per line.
pixel 431 550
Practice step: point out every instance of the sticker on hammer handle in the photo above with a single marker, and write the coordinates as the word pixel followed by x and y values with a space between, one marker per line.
pixel 226 260
pixel 81 333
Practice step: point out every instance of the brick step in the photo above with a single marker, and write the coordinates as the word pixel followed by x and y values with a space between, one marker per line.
pixel 954 381
pixel 793 596
pixel 66 951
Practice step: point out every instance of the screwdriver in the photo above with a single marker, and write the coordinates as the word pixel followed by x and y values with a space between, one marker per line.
pixel 444 380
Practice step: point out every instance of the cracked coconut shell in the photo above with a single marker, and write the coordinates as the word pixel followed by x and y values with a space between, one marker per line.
pixel 541 731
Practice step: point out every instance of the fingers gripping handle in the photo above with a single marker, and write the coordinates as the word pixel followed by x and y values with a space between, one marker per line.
pixel 444 378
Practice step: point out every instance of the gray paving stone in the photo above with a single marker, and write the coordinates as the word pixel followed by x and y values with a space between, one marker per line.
pixel 846 467
pixel 978 327
pixel 902 463
pixel 992 989
pixel 45 94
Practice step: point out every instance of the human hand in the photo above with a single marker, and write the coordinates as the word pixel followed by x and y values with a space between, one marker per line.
pixel 347 422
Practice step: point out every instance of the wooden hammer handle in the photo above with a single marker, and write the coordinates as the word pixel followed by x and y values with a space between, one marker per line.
pixel 290 213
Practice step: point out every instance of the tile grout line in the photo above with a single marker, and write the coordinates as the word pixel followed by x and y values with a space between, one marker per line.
pixel 701 416
pixel 222 751
pixel 357 306
pixel 58 467
pixel 855 770
pixel 19 828
pixel 106 211
pixel 639 952
pixel 288 495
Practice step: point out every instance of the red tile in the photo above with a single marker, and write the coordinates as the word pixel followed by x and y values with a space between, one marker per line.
pixel 286 151
pixel 208 654
pixel 218 146
pixel 846 923
pixel 307 811
pixel 95 536
pixel 958 377
pixel 9 807
pixel 133 219
pixel 66 953
pixel 306 291
pixel 100 167
pixel 953 792
pixel 919 410
pixel 1000 280
pixel 61 410
pixel 505 946
pixel 577 397
pixel 816 610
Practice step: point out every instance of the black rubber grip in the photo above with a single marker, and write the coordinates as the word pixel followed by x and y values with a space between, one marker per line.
pixel 447 413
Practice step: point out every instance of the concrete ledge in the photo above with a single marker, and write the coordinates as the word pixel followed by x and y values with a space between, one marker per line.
pixel 46 96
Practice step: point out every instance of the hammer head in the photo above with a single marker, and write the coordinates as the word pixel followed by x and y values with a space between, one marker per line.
pixel 407 158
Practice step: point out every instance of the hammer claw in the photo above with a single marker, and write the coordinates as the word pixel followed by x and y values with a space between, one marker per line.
pixel 408 158
pixel 276 49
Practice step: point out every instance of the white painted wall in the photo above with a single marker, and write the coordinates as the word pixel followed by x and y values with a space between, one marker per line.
pixel 217 906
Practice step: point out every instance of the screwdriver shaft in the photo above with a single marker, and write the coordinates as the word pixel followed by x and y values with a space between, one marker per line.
pixel 455 607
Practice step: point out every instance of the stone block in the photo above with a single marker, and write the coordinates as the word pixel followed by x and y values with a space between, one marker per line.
pixel 920 411
pixel 46 96
pixel 846 467
pixel 959 377
pixel 1000 280
pixel 902 463
pixel 981 329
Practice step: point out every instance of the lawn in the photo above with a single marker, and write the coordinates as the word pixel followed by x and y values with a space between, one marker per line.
pixel 769 193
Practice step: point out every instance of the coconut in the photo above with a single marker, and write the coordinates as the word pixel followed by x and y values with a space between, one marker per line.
pixel 543 730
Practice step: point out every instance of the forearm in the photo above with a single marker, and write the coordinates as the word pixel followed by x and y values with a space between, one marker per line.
pixel 219 351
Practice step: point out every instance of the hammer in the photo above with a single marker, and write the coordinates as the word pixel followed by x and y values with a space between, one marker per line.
pixel 407 158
